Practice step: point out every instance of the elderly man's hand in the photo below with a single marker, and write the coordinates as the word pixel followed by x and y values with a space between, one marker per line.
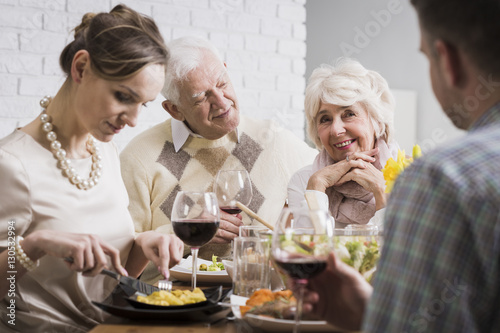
pixel 228 228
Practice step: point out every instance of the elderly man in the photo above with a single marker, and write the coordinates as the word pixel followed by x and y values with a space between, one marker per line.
pixel 440 267
pixel 206 134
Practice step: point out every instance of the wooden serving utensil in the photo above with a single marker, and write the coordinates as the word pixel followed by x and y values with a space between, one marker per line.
pixel 252 214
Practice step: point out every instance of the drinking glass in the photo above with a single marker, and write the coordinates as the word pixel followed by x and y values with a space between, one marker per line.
pixel 232 186
pixel 195 220
pixel 252 231
pixel 250 265
pixel 301 242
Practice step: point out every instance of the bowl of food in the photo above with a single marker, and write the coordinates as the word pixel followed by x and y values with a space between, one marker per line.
pixel 359 246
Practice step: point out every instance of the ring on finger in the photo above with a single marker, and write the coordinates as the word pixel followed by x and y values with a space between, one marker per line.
pixel 347 158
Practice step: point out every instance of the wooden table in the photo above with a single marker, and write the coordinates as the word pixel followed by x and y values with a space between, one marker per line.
pixel 124 326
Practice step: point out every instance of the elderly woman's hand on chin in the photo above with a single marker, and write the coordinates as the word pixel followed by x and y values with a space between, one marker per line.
pixel 369 177
pixel 357 167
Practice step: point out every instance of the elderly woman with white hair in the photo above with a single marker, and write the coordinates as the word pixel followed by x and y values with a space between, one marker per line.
pixel 349 112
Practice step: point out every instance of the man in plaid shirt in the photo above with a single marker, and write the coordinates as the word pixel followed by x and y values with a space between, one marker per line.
pixel 440 266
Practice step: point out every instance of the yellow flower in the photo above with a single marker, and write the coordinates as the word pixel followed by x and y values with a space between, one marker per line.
pixel 393 168
pixel 417 152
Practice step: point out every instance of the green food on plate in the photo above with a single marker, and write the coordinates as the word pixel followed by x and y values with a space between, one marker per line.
pixel 214 266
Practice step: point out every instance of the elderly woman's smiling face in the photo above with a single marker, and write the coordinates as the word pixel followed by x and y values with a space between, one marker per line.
pixel 344 130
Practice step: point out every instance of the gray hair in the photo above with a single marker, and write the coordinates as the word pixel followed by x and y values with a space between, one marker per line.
pixel 346 83
pixel 185 55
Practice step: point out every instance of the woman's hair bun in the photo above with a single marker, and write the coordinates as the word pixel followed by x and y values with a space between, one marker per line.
pixel 119 43
pixel 85 23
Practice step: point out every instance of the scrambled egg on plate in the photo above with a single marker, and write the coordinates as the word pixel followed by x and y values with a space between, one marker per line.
pixel 176 297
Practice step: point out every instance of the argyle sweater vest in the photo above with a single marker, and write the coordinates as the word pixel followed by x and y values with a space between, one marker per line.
pixel 153 172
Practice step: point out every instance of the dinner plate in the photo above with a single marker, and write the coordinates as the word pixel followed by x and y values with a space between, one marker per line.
pixel 183 271
pixel 277 325
pixel 118 305
pixel 212 296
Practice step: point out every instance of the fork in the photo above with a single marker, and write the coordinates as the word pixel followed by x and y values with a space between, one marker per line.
pixel 165 285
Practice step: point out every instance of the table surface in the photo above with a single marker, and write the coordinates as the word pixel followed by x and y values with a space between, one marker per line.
pixel 120 326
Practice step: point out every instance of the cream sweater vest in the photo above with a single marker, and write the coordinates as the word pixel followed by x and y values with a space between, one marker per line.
pixel 153 172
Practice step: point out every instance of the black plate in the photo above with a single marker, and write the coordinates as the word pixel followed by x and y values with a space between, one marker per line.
pixel 118 305
pixel 212 295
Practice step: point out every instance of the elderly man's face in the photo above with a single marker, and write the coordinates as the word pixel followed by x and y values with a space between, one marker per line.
pixel 208 102
pixel 344 130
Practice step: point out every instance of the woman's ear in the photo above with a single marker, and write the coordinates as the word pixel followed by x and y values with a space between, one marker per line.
pixel 172 110
pixel 451 63
pixel 81 61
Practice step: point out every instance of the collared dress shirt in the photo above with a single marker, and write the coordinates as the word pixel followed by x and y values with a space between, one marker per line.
pixel 180 134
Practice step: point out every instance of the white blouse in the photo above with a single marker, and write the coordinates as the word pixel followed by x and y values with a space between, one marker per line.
pixel 34 195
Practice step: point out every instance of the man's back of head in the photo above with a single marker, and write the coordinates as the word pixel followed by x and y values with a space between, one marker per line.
pixel 472 26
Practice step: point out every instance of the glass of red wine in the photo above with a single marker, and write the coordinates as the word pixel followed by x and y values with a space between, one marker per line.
pixel 232 186
pixel 301 242
pixel 195 220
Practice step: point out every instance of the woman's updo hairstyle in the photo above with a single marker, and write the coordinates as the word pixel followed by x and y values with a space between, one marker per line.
pixel 120 43
pixel 346 83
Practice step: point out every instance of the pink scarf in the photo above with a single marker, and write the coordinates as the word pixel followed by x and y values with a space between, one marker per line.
pixel 350 202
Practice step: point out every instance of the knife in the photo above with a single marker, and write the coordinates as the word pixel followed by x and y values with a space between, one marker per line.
pixel 133 283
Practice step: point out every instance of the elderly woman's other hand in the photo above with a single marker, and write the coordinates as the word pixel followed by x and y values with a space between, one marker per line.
pixel 163 250
pixel 333 174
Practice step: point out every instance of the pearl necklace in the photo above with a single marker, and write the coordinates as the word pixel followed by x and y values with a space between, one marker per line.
pixel 60 154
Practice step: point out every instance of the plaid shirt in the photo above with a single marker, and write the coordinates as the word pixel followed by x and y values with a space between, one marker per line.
pixel 440 266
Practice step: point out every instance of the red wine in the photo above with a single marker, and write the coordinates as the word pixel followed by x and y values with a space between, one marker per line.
pixel 231 210
pixel 195 232
pixel 302 268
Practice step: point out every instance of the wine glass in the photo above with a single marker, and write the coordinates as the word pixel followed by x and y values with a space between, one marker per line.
pixel 232 186
pixel 301 243
pixel 195 220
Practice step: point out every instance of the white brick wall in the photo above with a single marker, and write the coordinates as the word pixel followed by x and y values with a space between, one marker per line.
pixel 262 41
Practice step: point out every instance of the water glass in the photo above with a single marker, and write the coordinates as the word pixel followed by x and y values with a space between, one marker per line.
pixel 250 265
pixel 252 231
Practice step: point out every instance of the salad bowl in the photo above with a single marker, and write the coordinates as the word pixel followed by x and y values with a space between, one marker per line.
pixel 359 246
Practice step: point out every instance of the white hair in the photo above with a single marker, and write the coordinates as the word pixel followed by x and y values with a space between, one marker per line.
pixel 185 55
pixel 346 83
